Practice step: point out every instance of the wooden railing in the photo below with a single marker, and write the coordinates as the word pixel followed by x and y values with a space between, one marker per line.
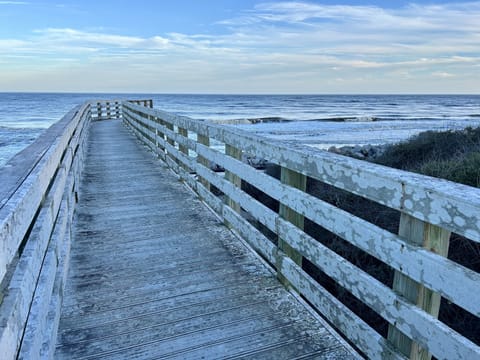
pixel 430 210
pixel 38 192
pixel 106 109
pixel 112 109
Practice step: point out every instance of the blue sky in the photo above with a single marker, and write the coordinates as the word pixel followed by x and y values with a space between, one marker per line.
pixel 243 46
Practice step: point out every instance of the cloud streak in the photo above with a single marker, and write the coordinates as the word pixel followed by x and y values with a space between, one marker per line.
pixel 288 46
pixel 14 3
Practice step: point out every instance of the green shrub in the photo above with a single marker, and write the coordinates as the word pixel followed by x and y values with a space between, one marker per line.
pixel 451 155
pixel 464 170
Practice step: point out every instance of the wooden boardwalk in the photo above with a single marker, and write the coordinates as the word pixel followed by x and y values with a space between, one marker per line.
pixel 154 274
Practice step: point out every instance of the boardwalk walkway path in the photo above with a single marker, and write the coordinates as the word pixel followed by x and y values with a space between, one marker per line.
pixel 154 274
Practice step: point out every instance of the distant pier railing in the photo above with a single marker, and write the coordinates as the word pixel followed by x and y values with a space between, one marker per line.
pixel 430 210
pixel 112 109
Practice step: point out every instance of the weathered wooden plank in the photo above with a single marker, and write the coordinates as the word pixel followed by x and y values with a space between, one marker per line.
pixel 183 134
pixel 259 211
pixel 136 122
pixel 137 280
pixel 40 330
pixel 363 336
pixel 180 121
pixel 171 128
pixel 439 202
pixel 151 316
pixel 77 329
pixel 17 213
pixel 442 341
pixel 205 141
pixel 16 305
pixel 65 137
pixel 434 239
pixel 186 338
pixel 189 309
pixel 214 202
pixel 430 269
pixel 160 136
pixel 37 315
pixel 298 181
pixel 183 141
pixel 141 134
pixel 254 237
pixel 233 178
pixel 185 160
pixel 49 335
pixel 89 310
pixel 18 168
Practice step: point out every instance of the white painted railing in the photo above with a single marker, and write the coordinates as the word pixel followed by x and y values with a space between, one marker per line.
pixel 430 210
pixel 111 109
pixel 38 192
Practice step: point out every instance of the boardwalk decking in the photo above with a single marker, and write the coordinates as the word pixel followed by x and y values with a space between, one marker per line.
pixel 154 274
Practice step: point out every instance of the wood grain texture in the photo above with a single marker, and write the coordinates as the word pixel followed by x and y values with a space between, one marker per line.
pixel 434 239
pixel 153 274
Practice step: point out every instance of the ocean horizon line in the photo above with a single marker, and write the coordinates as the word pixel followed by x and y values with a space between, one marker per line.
pixel 235 93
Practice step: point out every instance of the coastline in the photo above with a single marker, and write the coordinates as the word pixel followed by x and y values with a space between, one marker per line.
pixel 319 121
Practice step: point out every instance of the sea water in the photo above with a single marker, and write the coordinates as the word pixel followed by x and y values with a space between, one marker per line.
pixel 316 120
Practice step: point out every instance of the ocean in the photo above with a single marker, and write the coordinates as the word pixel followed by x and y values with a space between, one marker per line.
pixel 316 120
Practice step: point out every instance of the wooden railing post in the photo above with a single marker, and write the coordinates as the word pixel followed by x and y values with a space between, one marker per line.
pixel 299 181
pixel 435 239
pixel 235 179
pixel 99 110
pixel 170 127
pixel 159 134
pixel 184 133
pixel 154 130
pixel 117 110
pixel 183 149
pixel 204 140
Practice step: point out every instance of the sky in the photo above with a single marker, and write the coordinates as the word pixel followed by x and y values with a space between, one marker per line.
pixel 240 46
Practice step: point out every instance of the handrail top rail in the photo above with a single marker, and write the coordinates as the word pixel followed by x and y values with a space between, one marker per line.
pixel 440 202
pixel 18 168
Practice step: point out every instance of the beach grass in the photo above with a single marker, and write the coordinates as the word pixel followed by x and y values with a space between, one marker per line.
pixel 450 155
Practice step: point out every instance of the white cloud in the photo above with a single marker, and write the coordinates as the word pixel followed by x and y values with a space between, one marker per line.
pixel 12 43
pixel 442 74
pixel 283 45
pixel 14 3
pixel 83 37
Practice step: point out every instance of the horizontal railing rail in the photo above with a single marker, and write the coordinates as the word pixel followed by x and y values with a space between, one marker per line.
pixel 430 210
pixel 38 195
